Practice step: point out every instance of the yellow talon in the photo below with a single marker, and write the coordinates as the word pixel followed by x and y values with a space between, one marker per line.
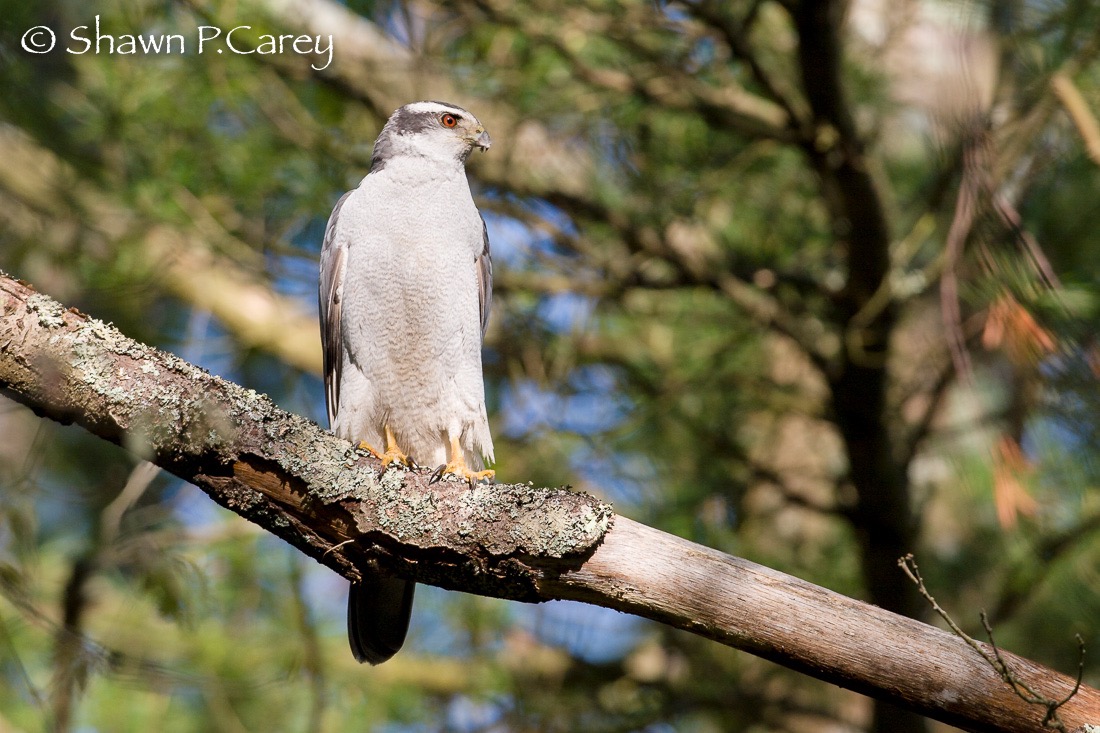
pixel 393 453
pixel 457 466
pixel 364 445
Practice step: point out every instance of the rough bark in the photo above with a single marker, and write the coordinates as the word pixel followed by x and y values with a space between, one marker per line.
pixel 516 541
pixel 281 471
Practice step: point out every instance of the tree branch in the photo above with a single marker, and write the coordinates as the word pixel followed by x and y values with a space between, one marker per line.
pixel 1078 110
pixel 279 470
pixel 726 106
pixel 515 541
pixel 182 261
pixel 993 655
pixel 936 392
pixel 376 70
pixel 735 35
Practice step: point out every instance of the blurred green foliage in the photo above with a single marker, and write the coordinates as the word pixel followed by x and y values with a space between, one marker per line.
pixel 672 326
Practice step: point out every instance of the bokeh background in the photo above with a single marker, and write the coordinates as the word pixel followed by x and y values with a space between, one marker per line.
pixel 813 283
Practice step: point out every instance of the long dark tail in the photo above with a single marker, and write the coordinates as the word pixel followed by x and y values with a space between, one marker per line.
pixel 378 617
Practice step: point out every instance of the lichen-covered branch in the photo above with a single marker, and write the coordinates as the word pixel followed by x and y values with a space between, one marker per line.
pixel 326 497
pixel 280 470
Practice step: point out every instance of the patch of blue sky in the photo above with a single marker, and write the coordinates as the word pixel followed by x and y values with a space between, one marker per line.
pixel 295 274
pixel 1070 468
pixel 432 627
pixel 464 714
pixel 674 12
pixel 591 405
pixel 325 593
pixel 309 397
pixel 63 514
pixel 310 233
pixel 527 408
pixel 195 511
pixel 566 312
pixel 588 413
pixel 225 120
pixel 519 244
pixel 703 53
pixel 592 633
pixel 509 239
pixel 208 345
pixel 661 727
pixel 594 378
pixel 394 19
pixel 626 479
pixel 1068 421
pixel 553 214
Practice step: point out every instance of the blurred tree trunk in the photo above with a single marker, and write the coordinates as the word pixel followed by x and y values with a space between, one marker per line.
pixel 883 518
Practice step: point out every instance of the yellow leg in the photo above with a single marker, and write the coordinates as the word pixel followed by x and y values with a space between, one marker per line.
pixel 393 453
pixel 457 466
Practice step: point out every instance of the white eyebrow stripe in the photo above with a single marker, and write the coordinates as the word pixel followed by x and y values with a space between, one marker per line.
pixel 418 107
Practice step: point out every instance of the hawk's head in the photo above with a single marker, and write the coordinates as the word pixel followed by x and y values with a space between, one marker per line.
pixel 434 131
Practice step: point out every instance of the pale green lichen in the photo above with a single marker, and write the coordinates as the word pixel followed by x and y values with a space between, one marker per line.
pixel 331 466
pixel 162 415
pixel 101 330
pixel 50 313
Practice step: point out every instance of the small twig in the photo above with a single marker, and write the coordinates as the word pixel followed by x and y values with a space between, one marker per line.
pixel 1078 109
pixel 110 519
pixel 909 565
pixel 1080 675
pixel 966 210
pixel 1028 693
pixel 312 656
pixel 995 660
pixel 338 546
pixel 1012 219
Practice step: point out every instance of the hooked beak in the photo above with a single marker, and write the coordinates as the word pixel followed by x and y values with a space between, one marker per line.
pixel 482 141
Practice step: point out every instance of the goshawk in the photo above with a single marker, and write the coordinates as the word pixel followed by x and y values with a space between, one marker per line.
pixel 405 289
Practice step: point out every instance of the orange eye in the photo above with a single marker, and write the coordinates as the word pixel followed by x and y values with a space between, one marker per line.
pixel 448 120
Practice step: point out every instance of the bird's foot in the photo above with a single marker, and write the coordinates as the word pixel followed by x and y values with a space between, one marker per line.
pixel 364 445
pixel 392 454
pixel 460 469
pixel 395 456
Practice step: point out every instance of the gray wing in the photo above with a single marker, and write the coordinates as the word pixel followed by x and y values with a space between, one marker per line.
pixel 484 279
pixel 334 260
